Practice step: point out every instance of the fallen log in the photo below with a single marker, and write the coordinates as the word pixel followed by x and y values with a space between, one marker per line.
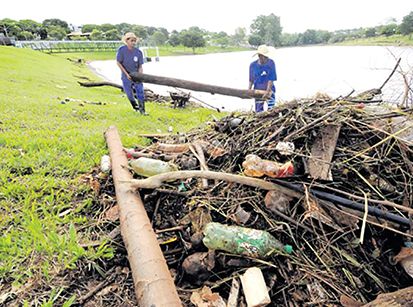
pixel 400 298
pixel 100 83
pixel 195 86
pixel 153 283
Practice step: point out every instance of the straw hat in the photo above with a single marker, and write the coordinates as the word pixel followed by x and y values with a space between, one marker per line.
pixel 128 36
pixel 263 50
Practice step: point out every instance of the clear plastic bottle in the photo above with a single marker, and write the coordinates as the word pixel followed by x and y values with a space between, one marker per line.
pixel 149 167
pixel 242 241
pixel 254 166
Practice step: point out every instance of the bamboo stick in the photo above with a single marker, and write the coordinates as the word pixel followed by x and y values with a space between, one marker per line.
pixel 153 283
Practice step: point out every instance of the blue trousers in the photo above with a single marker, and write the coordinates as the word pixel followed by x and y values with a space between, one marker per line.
pixel 129 87
pixel 259 104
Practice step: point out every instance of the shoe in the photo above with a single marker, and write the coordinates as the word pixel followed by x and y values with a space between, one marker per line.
pixel 142 108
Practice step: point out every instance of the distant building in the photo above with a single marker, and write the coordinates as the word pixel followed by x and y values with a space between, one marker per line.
pixel 77 34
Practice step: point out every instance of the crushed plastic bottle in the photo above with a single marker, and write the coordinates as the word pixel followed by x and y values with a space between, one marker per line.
pixel 242 241
pixel 254 166
pixel 149 167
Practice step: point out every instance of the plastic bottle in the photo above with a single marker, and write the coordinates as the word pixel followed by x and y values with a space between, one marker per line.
pixel 254 166
pixel 242 241
pixel 105 165
pixel 149 167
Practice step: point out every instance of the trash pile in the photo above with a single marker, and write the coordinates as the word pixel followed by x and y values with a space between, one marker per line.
pixel 320 216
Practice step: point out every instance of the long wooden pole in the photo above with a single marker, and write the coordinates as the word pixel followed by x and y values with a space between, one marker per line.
pixel 153 283
pixel 196 86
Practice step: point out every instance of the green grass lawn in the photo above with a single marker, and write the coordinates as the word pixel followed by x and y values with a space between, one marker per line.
pixel 163 51
pixel 45 146
pixel 394 40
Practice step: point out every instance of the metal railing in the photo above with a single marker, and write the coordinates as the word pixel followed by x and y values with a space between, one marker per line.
pixel 70 46
pixel 80 46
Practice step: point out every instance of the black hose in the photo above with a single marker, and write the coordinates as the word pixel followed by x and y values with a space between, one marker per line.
pixel 372 210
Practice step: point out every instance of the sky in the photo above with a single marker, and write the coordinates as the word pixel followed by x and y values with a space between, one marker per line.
pixel 214 15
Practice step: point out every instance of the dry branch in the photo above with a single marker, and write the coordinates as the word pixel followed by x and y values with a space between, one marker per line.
pixel 157 181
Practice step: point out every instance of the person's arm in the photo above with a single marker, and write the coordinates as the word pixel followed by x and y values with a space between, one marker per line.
pixel 140 62
pixel 268 91
pixel 119 60
pixel 123 70
pixel 251 78
pixel 272 77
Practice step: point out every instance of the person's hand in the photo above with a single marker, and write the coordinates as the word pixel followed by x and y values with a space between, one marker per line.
pixel 267 94
pixel 129 77
pixel 250 92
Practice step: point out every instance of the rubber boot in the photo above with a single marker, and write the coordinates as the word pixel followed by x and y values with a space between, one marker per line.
pixel 134 105
pixel 142 107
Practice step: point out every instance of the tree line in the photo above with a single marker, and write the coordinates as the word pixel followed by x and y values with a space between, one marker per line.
pixel 263 30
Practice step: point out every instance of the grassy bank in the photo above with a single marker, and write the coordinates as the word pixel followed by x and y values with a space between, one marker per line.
pixel 51 134
pixel 394 40
pixel 163 51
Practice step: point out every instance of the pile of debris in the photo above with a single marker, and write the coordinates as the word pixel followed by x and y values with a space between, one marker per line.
pixel 339 198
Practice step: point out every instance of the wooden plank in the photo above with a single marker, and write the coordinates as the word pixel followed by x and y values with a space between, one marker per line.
pixel 322 151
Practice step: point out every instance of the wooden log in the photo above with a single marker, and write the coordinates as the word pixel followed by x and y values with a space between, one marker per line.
pixel 100 83
pixel 153 283
pixel 400 298
pixel 195 86
pixel 322 151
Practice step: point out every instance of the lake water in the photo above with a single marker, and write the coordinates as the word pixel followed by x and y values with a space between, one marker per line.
pixel 302 72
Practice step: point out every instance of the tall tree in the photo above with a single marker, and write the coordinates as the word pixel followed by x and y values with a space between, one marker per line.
pixel 192 38
pixel 9 27
pixel 220 39
pixel 57 23
pixel 96 35
pixel 164 31
pixel 30 26
pixel 388 30
pixel 140 31
pixel 158 38
pixel 112 35
pixel 239 36
pixel 174 39
pixel 88 28
pixel 56 33
pixel 123 27
pixel 268 28
pixel 406 27
pixel 107 27
pixel 255 40
pixel 25 36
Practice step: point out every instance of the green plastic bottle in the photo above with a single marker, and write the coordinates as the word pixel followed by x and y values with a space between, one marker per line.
pixel 242 241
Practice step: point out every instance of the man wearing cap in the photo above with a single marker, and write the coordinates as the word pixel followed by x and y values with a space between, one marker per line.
pixel 262 77
pixel 130 59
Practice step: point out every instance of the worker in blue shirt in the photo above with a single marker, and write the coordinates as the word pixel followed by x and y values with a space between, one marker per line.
pixel 262 77
pixel 130 59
